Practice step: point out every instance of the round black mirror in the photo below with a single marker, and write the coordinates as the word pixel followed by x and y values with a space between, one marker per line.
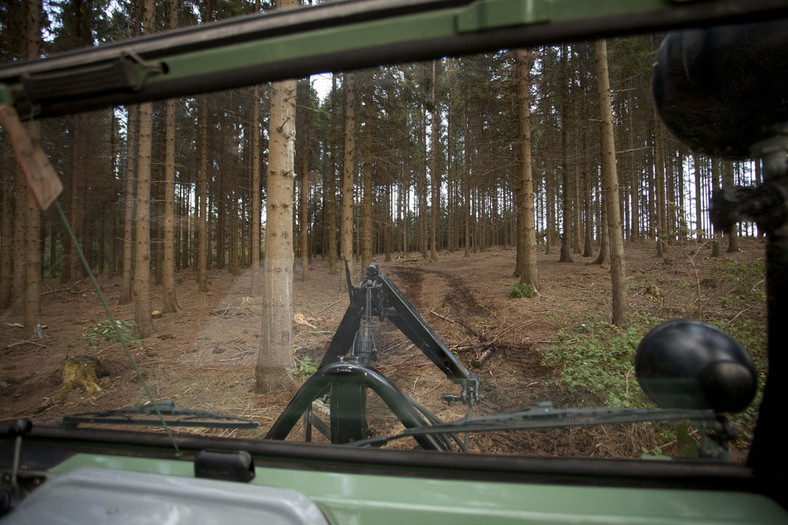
pixel 722 89
pixel 690 364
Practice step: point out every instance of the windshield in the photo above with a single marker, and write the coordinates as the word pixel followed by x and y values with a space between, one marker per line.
pixel 222 228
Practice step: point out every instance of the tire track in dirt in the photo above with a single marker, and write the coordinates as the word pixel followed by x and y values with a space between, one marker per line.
pixel 509 371
pixel 466 310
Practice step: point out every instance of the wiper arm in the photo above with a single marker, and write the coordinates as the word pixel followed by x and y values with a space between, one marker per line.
pixel 146 415
pixel 545 416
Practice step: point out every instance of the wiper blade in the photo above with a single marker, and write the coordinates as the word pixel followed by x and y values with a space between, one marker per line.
pixel 545 416
pixel 147 416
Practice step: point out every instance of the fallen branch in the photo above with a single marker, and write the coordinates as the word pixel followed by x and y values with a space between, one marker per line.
pixel 25 342
pixel 478 363
pixel 55 291
pixel 473 347
pixel 327 307
pixel 300 319
pixel 436 314
pixel 221 312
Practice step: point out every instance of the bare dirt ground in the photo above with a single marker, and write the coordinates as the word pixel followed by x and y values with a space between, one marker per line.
pixel 204 356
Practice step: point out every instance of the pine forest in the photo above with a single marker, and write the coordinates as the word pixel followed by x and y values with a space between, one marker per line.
pixel 461 154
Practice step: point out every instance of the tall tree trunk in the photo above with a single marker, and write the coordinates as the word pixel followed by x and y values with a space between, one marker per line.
pixel 128 211
pixel 589 218
pixel 304 233
pixel 32 271
pixel 276 349
pixel 332 181
pixel 727 182
pixel 466 189
pixel 202 219
pixel 257 282
pixel 168 299
pixel 422 183
pixel 566 176
pixel 387 224
pixel 659 166
pixel 20 224
pixel 234 193
pixel 348 172
pixel 526 234
pixel 76 205
pixel 610 191
pixel 367 193
pixel 434 176
pixel 715 184
pixel 550 181
pixel 699 234
pixel 142 300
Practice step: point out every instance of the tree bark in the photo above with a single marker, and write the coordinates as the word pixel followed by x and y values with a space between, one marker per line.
pixel 610 190
pixel 732 232
pixel 141 285
pixel 257 282
pixel 367 193
pixel 526 234
pixel 128 212
pixel 699 233
pixel 715 184
pixel 304 220
pixel 32 271
pixel 76 205
pixel 566 185
pixel 202 218
pixel 348 174
pixel 434 175
pixel 142 300
pixel 332 181
pixel 168 299
pixel 659 166
pixel 466 191
pixel 276 348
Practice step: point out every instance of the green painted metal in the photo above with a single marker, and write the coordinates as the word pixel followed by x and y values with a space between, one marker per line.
pixel 395 499
pixel 479 16
pixel 343 36
pixel 496 14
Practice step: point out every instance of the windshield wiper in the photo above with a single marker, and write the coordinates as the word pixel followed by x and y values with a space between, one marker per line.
pixel 546 416
pixel 147 415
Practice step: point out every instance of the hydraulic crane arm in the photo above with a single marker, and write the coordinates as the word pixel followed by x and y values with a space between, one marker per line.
pixel 332 37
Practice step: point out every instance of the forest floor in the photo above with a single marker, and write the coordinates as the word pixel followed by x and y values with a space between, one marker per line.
pixel 204 356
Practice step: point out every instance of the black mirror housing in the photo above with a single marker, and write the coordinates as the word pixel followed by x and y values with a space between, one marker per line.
pixel 685 363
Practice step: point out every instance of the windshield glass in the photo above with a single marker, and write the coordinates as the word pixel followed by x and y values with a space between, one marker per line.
pixel 221 229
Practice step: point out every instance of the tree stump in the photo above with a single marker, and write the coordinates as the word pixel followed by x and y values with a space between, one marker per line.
pixel 83 372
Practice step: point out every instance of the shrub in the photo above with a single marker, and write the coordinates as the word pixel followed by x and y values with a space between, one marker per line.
pixel 306 367
pixel 520 290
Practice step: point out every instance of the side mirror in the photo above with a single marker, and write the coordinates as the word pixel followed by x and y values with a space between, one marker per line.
pixel 722 89
pixel 690 364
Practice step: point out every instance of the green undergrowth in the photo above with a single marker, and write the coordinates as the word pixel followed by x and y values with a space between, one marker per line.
pixel 520 290
pixel 596 360
pixel 104 331
pixel 305 368
pixel 597 357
